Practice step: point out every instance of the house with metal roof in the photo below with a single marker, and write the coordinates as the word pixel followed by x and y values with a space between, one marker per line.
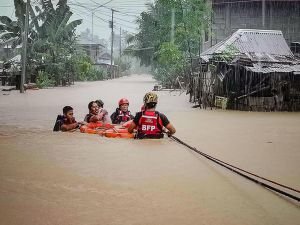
pixel 230 15
pixel 250 70
pixel 92 49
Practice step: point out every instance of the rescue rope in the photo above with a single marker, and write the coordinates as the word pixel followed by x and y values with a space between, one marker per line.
pixel 238 170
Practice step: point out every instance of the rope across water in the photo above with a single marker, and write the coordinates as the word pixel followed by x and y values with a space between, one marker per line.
pixel 243 173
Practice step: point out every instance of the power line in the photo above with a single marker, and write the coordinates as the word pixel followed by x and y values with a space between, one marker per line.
pixel 83 6
pixel 80 15
pixel 246 174
pixel 86 13
pixel 137 49
pixel 118 18
pixel 102 5
pixel 92 8
pixel 132 15
pixel 115 22
pixel 107 21
pixel 110 8
pixel 131 6
pixel 127 14
pixel 104 20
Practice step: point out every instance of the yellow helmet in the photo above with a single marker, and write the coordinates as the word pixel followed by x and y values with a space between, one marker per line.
pixel 150 97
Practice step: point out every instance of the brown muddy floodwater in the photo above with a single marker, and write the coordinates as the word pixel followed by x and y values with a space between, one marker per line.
pixel 82 179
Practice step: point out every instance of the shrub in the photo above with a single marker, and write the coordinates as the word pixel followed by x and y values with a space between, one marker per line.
pixel 96 74
pixel 44 80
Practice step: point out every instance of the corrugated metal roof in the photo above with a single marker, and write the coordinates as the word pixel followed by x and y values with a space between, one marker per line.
pixel 258 45
pixel 10 46
pixel 279 68
pixel 9 41
pixel 82 41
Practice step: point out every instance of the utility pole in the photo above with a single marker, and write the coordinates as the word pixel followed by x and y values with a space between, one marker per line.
pixel 172 25
pixel 24 48
pixel 92 39
pixel 120 42
pixel 93 26
pixel 112 43
pixel 263 8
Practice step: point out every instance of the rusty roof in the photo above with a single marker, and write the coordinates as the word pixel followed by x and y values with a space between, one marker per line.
pixel 257 45
pixel 273 68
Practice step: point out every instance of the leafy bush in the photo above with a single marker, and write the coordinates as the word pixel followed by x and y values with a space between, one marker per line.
pixel 170 64
pixel 44 80
pixel 96 74
pixel 80 65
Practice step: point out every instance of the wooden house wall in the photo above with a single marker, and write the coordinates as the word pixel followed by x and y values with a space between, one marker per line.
pixel 246 90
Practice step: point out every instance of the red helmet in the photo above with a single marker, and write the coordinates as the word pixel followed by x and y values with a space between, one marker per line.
pixel 123 101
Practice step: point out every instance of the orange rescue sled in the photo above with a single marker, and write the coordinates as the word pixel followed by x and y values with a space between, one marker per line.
pixel 107 130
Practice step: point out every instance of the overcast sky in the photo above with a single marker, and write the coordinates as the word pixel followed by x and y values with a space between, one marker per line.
pixel 124 17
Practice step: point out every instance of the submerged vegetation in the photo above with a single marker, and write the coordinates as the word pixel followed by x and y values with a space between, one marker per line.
pixel 53 56
pixel 170 34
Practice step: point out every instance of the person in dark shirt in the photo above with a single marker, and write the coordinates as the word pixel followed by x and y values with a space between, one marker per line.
pixel 122 114
pixel 66 122
pixel 151 123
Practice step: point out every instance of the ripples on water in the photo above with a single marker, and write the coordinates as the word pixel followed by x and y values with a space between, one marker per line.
pixel 74 178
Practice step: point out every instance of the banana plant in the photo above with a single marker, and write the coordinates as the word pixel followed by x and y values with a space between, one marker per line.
pixel 56 37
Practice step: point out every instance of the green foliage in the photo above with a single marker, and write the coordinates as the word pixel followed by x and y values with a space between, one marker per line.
pixel 169 54
pixel 56 43
pixel 80 65
pixel 170 63
pixel 192 19
pixel 10 30
pixel 96 74
pixel 85 67
pixel 44 80
pixel 227 54
pixel 51 37
pixel 92 75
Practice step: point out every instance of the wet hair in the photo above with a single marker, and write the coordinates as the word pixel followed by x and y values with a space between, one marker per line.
pixel 151 105
pixel 100 103
pixel 66 109
pixel 90 104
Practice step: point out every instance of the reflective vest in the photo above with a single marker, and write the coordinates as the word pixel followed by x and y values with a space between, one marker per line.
pixel 150 125
pixel 123 116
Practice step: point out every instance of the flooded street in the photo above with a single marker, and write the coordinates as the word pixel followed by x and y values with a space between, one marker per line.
pixel 81 179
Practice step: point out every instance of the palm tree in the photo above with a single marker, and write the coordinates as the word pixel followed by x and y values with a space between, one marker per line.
pixel 55 37
pixel 50 43
pixel 9 30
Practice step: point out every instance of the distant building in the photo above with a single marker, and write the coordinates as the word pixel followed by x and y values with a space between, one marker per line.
pixel 230 15
pixel 6 50
pixel 92 49
pixel 101 59
pixel 104 62
pixel 249 70
pixel 105 58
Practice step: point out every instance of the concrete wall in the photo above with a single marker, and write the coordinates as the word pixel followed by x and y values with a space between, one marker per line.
pixel 269 15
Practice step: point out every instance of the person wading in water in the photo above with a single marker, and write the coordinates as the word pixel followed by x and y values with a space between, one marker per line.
pixel 122 114
pixel 151 123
